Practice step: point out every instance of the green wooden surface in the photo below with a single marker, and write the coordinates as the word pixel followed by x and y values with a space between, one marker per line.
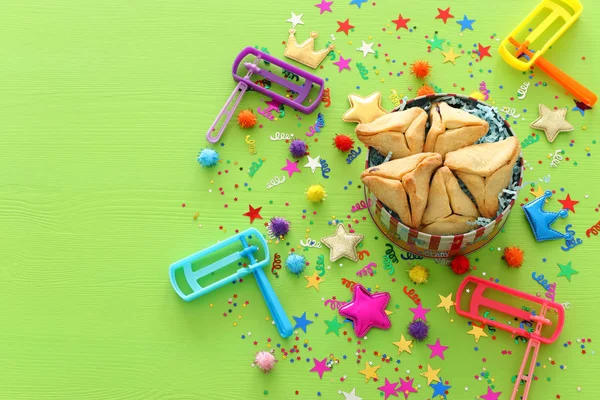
pixel 104 107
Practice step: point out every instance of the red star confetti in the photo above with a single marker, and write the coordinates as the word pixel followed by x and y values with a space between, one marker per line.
pixel 483 51
pixel 401 22
pixel 568 204
pixel 253 213
pixel 344 26
pixel 444 14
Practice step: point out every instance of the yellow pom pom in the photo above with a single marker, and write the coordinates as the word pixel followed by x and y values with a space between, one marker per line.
pixel 315 193
pixel 477 95
pixel 418 274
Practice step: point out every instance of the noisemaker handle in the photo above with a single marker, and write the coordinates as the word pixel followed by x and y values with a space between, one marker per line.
pixel 281 320
pixel 578 91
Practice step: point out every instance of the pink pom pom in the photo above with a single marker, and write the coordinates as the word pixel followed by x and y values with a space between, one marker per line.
pixel 265 361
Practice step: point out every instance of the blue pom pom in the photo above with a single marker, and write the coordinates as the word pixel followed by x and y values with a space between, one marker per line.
pixel 295 263
pixel 418 329
pixel 208 158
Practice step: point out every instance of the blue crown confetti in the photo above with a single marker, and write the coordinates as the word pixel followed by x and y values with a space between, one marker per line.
pixel 541 220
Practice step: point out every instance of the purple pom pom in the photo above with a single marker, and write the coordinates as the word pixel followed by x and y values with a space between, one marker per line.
pixel 298 148
pixel 418 329
pixel 279 226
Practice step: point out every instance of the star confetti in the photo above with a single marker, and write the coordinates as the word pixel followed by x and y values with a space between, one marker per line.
pixel 401 22
pixel 334 326
pixel 465 23
pixel 444 14
pixel 358 3
pixel 581 107
pixel 366 48
pixel 369 372
pixel 431 374
pixel 343 63
pixel 450 56
pixel 253 213
pixel 291 167
pixel 568 204
pixel 435 43
pixel 313 281
pixel 295 20
pixel 566 271
pixel 446 302
pixel 342 244
pixel 552 122
pixel 313 163
pixel 344 26
pixel 302 322
pixel 320 367
pixel 351 396
pixel 420 312
pixel 437 350
pixel 439 389
pixel 324 6
pixel 389 389
pixel 490 395
pixel 483 51
pixel 406 387
pixel 477 332
pixel 403 345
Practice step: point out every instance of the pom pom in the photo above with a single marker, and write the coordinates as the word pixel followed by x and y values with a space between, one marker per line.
pixel 279 226
pixel 420 69
pixel 343 142
pixel 265 361
pixel 208 158
pixel 460 265
pixel 315 193
pixel 425 90
pixel 477 95
pixel 513 256
pixel 418 274
pixel 295 263
pixel 418 329
pixel 298 148
pixel 246 119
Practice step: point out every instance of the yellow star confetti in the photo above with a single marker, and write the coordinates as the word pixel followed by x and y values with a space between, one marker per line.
pixel 369 372
pixel 552 122
pixel 313 281
pixel 537 192
pixel 364 109
pixel 450 56
pixel 403 345
pixel 446 302
pixel 477 332
pixel 431 374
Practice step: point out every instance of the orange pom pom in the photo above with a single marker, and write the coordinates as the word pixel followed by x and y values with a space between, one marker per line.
pixel 425 90
pixel 513 256
pixel 420 68
pixel 246 119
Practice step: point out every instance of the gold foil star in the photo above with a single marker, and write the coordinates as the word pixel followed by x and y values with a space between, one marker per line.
pixel 364 109
pixel 477 332
pixel 313 281
pixel 342 244
pixel 446 302
pixel 403 345
pixel 450 56
pixel 431 374
pixel 369 372
pixel 552 122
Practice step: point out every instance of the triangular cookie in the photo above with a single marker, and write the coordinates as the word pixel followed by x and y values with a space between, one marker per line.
pixel 401 132
pixel 403 184
pixel 486 169
pixel 452 129
pixel 448 207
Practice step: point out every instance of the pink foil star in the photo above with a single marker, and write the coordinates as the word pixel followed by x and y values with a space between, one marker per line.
pixel 406 387
pixel 367 310
pixel 419 312
pixel 343 63
pixel 491 395
pixel 389 389
pixel 437 349
pixel 320 367
pixel 291 167
pixel 324 6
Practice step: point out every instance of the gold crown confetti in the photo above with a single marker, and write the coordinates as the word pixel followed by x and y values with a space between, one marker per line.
pixel 305 52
